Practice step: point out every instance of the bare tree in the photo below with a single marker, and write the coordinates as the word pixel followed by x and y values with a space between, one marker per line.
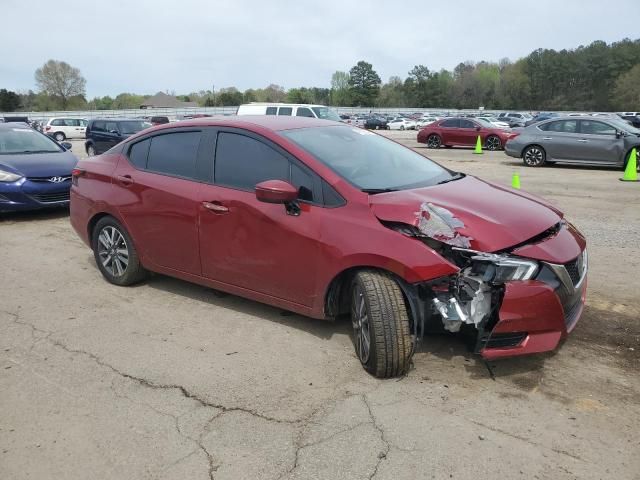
pixel 61 80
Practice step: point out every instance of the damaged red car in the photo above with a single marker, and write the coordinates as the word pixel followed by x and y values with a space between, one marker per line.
pixel 324 219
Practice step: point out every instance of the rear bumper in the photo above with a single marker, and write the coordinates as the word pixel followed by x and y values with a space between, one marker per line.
pixel 532 319
pixel 512 151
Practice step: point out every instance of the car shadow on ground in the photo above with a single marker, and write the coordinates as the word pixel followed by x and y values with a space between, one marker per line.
pixel 319 328
pixel 514 162
pixel 33 215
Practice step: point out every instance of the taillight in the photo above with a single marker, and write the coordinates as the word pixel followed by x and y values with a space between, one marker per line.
pixel 77 173
pixel 48 127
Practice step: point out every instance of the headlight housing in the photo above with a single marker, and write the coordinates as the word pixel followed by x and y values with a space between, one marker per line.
pixel 502 268
pixel 8 177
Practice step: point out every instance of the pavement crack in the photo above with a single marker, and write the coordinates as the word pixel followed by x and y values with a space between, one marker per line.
pixel 161 386
pixel 527 440
pixel 383 454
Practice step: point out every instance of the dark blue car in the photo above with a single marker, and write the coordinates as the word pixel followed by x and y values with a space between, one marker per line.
pixel 35 171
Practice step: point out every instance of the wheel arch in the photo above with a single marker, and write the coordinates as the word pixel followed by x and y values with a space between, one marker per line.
pixel 336 298
pixel 533 144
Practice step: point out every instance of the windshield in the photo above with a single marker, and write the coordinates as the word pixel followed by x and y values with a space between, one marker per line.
pixel 26 140
pixel 624 126
pixel 129 128
pixel 367 160
pixel 325 113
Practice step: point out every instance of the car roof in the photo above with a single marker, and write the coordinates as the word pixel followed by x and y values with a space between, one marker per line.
pixel 12 125
pixel 112 119
pixel 269 122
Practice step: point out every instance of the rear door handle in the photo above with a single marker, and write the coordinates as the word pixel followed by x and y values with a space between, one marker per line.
pixel 125 180
pixel 583 140
pixel 547 138
pixel 215 207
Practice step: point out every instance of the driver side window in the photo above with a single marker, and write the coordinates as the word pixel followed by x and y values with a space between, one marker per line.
pixel 242 162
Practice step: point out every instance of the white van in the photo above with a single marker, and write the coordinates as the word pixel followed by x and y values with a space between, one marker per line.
pixel 63 128
pixel 288 109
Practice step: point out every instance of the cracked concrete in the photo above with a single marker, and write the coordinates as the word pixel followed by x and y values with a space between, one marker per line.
pixel 167 380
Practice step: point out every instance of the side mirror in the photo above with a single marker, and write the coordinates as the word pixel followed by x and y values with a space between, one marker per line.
pixel 620 133
pixel 66 145
pixel 276 191
pixel 115 132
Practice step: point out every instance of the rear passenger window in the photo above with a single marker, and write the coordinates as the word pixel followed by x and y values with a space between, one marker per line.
pixel 174 154
pixel 271 110
pixel 243 162
pixel 285 111
pixel 304 112
pixel 138 153
pixel 453 122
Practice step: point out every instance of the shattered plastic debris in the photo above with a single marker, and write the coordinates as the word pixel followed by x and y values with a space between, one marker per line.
pixel 440 224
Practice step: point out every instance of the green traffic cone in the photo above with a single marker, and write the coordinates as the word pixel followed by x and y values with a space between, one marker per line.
pixel 478 146
pixel 515 181
pixel 631 171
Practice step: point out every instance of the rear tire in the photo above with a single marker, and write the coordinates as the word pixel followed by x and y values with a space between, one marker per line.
pixel 380 320
pixel 91 151
pixel 534 156
pixel 434 141
pixel 59 136
pixel 493 143
pixel 401 127
pixel 115 253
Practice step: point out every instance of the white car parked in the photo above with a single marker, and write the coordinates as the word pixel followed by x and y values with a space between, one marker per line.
pixel 493 122
pixel 62 128
pixel 402 124
pixel 424 121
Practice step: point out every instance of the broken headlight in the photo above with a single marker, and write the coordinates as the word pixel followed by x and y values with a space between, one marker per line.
pixel 501 268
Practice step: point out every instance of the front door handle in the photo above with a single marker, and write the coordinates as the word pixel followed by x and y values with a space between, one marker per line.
pixel 215 207
pixel 583 140
pixel 547 138
pixel 125 180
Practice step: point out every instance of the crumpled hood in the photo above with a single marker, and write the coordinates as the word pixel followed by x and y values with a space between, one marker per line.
pixel 469 213
pixel 39 164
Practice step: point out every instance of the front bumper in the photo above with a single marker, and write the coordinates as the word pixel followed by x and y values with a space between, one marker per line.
pixel 532 319
pixel 535 315
pixel 34 194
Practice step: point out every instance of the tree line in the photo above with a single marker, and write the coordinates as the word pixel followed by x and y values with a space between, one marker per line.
pixel 596 77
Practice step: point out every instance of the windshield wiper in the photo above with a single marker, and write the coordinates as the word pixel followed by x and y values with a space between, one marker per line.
pixel 37 151
pixel 456 176
pixel 373 191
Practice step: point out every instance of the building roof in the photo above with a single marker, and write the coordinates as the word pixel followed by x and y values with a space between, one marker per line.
pixel 162 100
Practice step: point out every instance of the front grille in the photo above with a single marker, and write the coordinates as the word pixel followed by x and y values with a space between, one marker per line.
pixel 49 179
pixel 504 340
pixel 571 313
pixel 51 197
pixel 573 269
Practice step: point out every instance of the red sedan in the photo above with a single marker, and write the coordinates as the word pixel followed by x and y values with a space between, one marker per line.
pixel 325 219
pixel 463 132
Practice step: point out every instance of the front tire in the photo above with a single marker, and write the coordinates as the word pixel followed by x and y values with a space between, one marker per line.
pixel 534 156
pixel 380 321
pixel 115 253
pixel 91 151
pixel 401 127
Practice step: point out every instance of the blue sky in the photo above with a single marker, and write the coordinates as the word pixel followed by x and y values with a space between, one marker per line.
pixel 143 46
